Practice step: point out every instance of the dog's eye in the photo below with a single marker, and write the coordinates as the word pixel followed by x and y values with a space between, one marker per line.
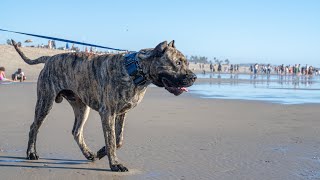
pixel 179 62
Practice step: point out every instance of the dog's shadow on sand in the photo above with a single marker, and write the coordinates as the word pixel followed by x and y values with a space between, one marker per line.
pixel 46 163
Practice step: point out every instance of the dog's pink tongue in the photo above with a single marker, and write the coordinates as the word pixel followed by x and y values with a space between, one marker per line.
pixel 184 89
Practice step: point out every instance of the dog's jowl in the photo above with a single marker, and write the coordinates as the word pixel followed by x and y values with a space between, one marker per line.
pixel 111 84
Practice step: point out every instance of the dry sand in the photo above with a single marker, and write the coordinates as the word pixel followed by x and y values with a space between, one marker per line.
pixel 166 137
pixel 11 60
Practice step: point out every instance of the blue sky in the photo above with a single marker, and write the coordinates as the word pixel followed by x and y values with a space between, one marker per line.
pixel 265 31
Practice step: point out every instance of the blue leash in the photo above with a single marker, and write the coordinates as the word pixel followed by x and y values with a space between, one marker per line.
pixel 64 40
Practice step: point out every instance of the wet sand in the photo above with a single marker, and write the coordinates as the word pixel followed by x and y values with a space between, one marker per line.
pixel 166 137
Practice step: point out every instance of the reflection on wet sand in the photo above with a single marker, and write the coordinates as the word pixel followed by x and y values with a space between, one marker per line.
pixel 273 88
pixel 295 81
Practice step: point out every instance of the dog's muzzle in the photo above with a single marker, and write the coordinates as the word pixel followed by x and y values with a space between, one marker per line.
pixel 192 77
pixel 180 86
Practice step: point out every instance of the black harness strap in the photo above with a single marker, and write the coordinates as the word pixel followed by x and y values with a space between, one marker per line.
pixel 134 69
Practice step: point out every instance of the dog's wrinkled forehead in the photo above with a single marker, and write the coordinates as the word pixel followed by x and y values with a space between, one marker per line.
pixel 174 54
pixel 163 51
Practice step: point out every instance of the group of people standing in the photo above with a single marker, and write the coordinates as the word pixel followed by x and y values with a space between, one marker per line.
pixel 263 69
pixel 232 69
pixel 296 69
pixel 52 44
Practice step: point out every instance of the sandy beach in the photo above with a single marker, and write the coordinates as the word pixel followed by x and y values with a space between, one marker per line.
pixel 11 60
pixel 166 137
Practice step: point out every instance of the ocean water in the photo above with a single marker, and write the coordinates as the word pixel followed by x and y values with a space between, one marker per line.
pixel 273 88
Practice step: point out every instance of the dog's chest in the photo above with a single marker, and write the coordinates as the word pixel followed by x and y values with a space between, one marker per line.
pixel 131 101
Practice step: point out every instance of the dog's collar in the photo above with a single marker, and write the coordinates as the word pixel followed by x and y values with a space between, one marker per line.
pixel 134 69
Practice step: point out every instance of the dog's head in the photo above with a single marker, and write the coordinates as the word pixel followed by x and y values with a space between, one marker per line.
pixel 168 68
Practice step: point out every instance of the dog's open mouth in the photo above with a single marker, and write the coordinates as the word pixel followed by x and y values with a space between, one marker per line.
pixel 173 89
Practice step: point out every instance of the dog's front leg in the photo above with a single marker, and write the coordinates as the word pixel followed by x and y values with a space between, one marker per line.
pixel 108 126
pixel 120 120
pixel 119 126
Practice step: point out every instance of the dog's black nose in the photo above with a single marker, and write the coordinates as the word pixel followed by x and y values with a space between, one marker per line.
pixel 192 76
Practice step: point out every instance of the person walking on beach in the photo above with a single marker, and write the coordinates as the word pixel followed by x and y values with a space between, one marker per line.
pixel 3 75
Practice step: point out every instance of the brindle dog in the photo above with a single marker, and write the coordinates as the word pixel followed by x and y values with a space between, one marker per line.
pixel 102 83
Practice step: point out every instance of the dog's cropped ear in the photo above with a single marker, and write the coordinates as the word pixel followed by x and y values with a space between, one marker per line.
pixel 160 48
pixel 171 44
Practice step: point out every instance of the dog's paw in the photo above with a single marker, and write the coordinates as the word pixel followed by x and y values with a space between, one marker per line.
pixel 90 156
pixel 118 168
pixel 32 156
pixel 101 153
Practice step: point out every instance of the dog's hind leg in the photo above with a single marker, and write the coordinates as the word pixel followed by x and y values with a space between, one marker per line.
pixel 81 112
pixel 119 127
pixel 43 107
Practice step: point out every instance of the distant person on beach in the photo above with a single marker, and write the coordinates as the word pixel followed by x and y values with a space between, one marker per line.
pixel 269 69
pixel 19 75
pixel 251 68
pixel 231 68
pixel 3 75
pixel 67 46
pixel 49 44
pixel 255 69
pixel 286 70
pixel 310 70
pixel 211 67
pixel 295 69
pixel 302 70
pixel 219 68
pixel 264 69
pixel 53 44
pixel 282 69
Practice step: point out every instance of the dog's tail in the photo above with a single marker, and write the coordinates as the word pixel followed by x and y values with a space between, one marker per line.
pixel 39 60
